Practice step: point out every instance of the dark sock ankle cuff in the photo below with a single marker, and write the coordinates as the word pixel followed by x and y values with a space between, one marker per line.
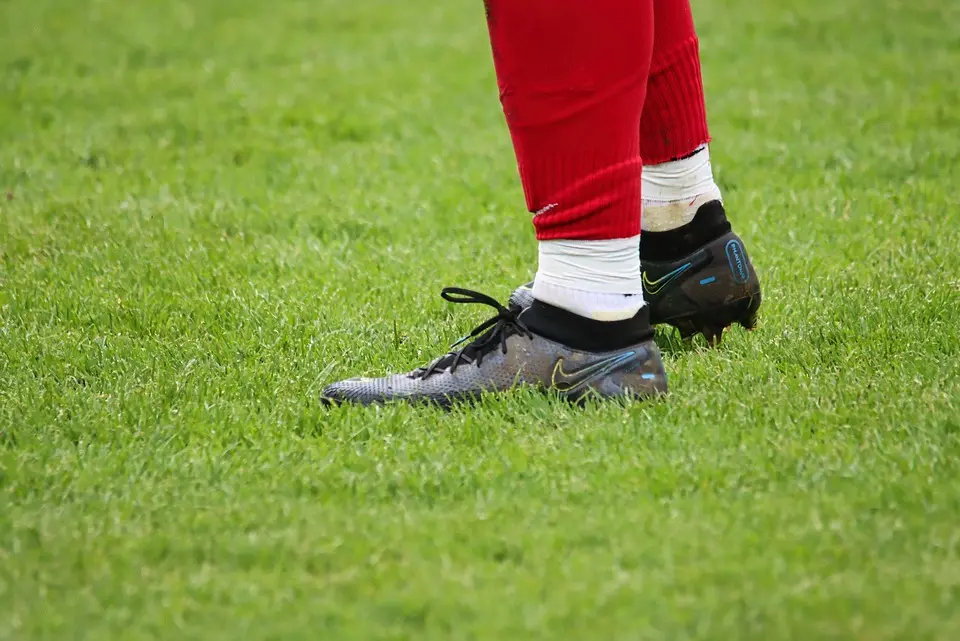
pixel 586 334
pixel 709 224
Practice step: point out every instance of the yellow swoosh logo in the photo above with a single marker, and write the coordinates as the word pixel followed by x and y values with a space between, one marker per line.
pixel 571 381
pixel 657 286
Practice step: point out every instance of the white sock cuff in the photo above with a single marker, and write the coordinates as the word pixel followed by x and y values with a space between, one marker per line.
pixel 679 179
pixel 597 279
pixel 600 266
pixel 598 306
pixel 674 191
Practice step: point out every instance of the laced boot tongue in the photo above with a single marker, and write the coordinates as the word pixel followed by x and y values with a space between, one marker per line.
pixel 490 334
pixel 465 355
pixel 522 296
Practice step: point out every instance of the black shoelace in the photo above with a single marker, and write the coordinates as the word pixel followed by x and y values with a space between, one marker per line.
pixel 487 335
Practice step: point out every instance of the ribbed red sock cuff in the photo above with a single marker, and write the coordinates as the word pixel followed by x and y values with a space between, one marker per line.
pixel 572 80
pixel 601 205
pixel 674 119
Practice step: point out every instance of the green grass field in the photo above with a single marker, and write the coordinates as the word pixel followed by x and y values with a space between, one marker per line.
pixel 214 208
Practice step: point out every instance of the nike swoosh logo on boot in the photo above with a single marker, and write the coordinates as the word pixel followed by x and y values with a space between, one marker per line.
pixel 654 287
pixel 571 381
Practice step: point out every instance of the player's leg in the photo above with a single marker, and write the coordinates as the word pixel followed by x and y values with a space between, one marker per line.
pixel 572 77
pixel 697 275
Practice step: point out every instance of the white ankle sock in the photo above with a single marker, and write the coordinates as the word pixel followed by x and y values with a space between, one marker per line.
pixel 598 279
pixel 673 191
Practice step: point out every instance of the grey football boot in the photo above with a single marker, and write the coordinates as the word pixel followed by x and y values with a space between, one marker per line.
pixel 538 346
pixel 698 278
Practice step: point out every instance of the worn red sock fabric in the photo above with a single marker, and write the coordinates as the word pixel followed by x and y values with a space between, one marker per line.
pixel 572 78
pixel 674 121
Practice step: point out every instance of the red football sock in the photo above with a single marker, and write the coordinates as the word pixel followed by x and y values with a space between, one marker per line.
pixel 572 78
pixel 674 121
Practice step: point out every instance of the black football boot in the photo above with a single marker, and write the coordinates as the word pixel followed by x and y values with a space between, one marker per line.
pixel 697 278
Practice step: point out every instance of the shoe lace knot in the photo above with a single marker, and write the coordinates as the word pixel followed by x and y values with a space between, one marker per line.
pixel 487 335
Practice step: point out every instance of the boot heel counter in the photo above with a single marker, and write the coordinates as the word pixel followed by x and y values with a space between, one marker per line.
pixel 646 375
